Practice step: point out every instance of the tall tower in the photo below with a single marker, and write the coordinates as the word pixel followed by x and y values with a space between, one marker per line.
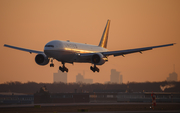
pixel 115 77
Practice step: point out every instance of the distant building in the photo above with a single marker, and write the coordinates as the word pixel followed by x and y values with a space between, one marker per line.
pixel 15 98
pixel 80 79
pixel 172 77
pixel 60 77
pixel 115 77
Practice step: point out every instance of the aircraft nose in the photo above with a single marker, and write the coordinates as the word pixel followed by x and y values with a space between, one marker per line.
pixel 49 46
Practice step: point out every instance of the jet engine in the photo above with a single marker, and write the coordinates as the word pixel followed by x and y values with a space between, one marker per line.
pixel 98 59
pixel 41 59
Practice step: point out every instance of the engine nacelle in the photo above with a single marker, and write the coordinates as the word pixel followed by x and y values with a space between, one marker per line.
pixel 98 59
pixel 41 59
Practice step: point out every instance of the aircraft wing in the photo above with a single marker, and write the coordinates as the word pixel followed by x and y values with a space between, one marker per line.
pixel 128 51
pixel 23 49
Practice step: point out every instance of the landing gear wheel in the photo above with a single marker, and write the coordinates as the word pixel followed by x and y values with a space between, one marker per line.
pixel 66 69
pixel 94 69
pixel 63 68
pixel 51 65
pixel 97 70
pixel 60 68
pixel 91 68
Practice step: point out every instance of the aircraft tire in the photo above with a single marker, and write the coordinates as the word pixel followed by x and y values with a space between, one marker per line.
pixel 91 68
pixel 51 65
pixel 97 70
pixel 60 68
pixel 65 69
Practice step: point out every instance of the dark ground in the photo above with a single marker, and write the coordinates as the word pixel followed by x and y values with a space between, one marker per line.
pixel 32 87
pixel 91 108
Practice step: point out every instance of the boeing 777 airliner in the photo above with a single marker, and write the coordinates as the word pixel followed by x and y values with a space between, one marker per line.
pixel 70 52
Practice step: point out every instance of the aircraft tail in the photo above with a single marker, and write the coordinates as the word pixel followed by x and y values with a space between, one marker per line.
pixel 104 38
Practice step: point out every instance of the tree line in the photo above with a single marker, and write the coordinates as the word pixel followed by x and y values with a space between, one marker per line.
pixel 33 87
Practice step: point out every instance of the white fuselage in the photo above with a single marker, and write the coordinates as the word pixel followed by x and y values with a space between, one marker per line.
pixel 66 51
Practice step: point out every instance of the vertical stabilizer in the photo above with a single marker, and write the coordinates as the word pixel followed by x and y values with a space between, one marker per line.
pixel 104 38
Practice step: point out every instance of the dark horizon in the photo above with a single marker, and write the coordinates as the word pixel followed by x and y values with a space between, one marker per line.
pixel 32 87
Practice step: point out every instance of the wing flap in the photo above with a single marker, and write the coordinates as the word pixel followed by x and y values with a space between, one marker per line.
pixel 22 49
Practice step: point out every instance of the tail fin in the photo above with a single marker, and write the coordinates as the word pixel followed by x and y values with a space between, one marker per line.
pixel 104 38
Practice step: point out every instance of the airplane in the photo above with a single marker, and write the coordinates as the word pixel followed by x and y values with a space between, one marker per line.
pixel 71 52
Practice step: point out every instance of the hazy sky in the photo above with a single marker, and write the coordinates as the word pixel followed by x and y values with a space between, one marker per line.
pixel 134 23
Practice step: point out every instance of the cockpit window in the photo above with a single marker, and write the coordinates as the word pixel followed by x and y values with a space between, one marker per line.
pixel 49 46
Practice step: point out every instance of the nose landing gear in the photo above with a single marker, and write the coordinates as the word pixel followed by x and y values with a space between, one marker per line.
pixel 63 68
pixel 51 65
pixel 94 69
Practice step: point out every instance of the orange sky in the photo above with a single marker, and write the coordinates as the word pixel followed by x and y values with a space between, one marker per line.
pixel 134 23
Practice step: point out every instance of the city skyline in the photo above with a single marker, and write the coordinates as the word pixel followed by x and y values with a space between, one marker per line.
pixel 31 24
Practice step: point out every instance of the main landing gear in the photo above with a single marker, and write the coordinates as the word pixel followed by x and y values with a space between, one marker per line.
pixel 94 69
pixel 63 68
pixel 51 65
